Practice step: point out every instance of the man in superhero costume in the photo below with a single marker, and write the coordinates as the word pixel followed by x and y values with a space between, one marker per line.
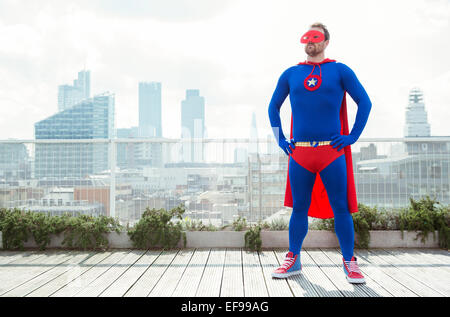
pixel 320 181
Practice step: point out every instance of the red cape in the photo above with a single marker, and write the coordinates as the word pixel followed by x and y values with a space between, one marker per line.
pixel 320 206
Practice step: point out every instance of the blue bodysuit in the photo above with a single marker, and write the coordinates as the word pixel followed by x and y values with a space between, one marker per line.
pixel 315 117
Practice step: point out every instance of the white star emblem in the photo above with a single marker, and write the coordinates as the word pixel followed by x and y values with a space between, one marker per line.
pixel 312 82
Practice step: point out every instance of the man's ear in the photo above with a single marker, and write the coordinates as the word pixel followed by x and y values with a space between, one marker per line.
pixel 326 43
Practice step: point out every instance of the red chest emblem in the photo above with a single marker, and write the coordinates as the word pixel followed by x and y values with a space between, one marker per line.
pixel 312 82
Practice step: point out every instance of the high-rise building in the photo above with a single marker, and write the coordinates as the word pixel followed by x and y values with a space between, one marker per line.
pixel 416 124
pixel 150 124
pixel 126 151
pixel 93 118
pixel 69 96
pixel 193 126
pixel 150 109
pixel 14 161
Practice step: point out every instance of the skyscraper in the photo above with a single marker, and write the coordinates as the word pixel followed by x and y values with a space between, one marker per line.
pixel 150 126
pixel 69 96
pixel 150 109
pixel 91 119
pixel 416 123
pixel 193 126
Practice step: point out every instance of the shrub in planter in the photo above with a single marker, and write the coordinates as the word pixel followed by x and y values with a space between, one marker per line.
pixel 253 238
pixel 83 231
pixel 15 228
pixel 88 232
pixel 42 225
pixel 193 225
pixel 155 228
pixel 239 224
pixel 427 216
pixel 279 224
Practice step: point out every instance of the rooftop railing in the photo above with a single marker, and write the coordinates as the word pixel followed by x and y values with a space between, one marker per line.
pixel 216 180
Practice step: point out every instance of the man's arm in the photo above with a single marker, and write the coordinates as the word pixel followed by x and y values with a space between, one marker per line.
pixel 278 97
pixel 359 95
pixel 352 85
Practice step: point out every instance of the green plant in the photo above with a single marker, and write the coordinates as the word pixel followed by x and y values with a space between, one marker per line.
pixel 253 238
pixel 15 228
pixel 156 228
pixel 79 232
pixel 193 225
pixel 88 232
pixel 42 225
pixel 239 224
pixel 362 222
pixel 427 216
pixel 278 224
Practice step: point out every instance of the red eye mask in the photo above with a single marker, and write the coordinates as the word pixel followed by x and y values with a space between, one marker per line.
pixel 312 36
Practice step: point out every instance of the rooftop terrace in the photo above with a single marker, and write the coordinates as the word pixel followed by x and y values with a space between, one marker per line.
pixel 231 272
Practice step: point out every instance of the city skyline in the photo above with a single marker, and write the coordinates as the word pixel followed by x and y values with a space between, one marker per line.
pixel 235 65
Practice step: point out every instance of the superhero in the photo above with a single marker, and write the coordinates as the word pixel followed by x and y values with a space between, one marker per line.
pixel 320 180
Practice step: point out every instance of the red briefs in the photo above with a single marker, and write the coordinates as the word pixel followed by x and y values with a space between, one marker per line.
pixel 315 159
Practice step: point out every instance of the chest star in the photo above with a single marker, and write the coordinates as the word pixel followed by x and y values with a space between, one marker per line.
pixel 312 82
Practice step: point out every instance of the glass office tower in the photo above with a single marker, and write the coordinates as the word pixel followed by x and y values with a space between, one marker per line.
pixel 91 119
pixel 70 95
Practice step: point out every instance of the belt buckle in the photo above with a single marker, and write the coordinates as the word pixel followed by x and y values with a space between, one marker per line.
pixel 315 145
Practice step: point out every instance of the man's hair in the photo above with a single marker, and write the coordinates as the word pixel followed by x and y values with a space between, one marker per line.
pixel 323 27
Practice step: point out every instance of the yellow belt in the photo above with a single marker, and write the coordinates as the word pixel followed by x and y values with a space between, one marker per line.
pixel 312 143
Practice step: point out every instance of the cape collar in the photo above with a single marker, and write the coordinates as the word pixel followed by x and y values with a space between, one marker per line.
pixel 326 60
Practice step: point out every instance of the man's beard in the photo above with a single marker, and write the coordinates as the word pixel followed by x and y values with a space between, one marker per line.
pixel 313 52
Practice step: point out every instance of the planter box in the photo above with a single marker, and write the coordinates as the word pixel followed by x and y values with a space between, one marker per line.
pixel 270 239
pixel 328 239
pixel 215 239
pixel 116 241
pixel 393 239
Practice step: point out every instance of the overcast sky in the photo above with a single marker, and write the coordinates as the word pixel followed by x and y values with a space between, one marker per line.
pixel 233 51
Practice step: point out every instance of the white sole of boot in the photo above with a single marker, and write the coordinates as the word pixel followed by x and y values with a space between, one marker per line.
pixel 285 275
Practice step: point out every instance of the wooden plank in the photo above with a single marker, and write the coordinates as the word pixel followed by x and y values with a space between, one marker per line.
pixel 254 283
pixel 124 282
pixel 371 287
pixel 379 273
pixel 7 257
pixel 299 284
pixel 275 287
pixel 322 284
pixel 22 270
pixel 95 288
pixel 336 274
pixel 422 261
pixel 438 254
pixel 424 279
pixel 233 281
pixel 81 282
pixel 152 275
pixel 212 276
pixel 168 282
pixel 433 258
pixel 47 283
pixel 188 284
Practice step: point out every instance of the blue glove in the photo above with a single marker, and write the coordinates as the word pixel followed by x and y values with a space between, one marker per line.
pixel 287 146
pixel 340 141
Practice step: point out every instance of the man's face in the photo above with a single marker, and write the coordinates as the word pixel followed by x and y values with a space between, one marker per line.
pixel 314 49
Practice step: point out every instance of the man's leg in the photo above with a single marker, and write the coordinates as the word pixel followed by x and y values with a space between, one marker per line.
pixel 334 178
pixel 302 182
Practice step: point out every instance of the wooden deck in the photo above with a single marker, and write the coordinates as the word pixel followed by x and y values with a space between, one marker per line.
pixel 221 273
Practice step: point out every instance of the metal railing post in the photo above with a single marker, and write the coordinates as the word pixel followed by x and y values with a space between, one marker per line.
pixel 112 183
